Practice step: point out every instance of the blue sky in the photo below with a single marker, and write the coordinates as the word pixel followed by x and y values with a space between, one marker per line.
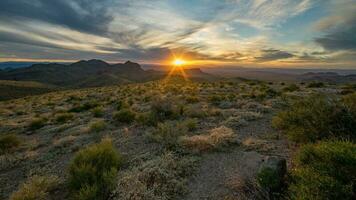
pixel 266 33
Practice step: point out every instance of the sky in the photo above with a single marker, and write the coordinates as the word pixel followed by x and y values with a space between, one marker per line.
pixel 257 33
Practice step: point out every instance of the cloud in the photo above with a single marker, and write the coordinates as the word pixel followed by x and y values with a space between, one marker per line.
pixel 339 29
pixel 273 54
pixel 83 15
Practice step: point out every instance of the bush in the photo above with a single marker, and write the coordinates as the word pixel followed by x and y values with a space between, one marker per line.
pixel 163 109
pixel 98 126
pixel 191 124
pixel 93 171
pixel 36 188
pixel 37 123
pixel 163 177
pixel 62 118
pixel 8 142
pixel 216 138
pixel 216 99
pixel 83 107
pixel 97 112
pixel 125 116
pixel 315 85
pixel 325 170
pixel 317 117
pixel 291 88
pixel 147 118
pixel 168 133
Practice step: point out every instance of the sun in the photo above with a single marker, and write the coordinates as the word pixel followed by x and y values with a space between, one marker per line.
pixel 179 62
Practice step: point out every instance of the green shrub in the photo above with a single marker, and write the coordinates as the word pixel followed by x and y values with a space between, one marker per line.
pixel 192 99
pixel 62 118
pixel 8 142
pixel 315 85
pixel 98 126
pixel 325 170
pixel 316 117
pixel 191 124
pixel 37 123
pixel 168 133
pixel 147 118
pixel 163 109
pixel 268 178
pixel 93 171
pixel 291 88
pixel 97 112
pixel 83 107
pixel 121 105
pixel 125 116
pixel 216 99
pixel 36 188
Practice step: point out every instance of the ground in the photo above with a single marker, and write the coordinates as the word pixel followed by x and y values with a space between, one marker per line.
pixel 54 126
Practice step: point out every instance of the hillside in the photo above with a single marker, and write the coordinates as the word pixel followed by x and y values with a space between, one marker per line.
pixel 18 89
pixel 165 139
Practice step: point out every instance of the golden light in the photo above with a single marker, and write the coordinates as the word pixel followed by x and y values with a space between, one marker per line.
pixel 178 62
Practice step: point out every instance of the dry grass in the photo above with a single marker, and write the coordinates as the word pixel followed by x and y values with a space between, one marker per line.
pixel 36 188
pixel 216 138
pixel 245 189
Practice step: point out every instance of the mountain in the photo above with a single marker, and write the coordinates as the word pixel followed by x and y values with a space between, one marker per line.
pixel 330 77
pixel 83 73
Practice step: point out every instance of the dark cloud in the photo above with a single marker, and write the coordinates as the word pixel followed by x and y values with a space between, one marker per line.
pixel 339 29
pixel 342 39
pixel 89 16
pixel 273 54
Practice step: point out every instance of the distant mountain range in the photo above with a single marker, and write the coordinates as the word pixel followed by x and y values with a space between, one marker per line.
pixel 90 73
pixel 292 75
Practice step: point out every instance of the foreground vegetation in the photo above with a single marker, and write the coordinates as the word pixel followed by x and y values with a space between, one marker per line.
pixel 164 133
pixel 325 163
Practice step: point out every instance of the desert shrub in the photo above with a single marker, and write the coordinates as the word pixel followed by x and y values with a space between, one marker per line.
pixel 216 99
pixel 316 117
pixel 291 88
pixel 271 175
pixel 125 116
pixel 325 170
pixel 147 118
pixel 97 112
pixel 36 188
pixel 217 137
pixel 350 103
pixel 195 111
pixel 93 171
pixel 235 122
pixel 164 177
pixel 192 99
pixel 191 124
pixel 267 178
pixel 64 117
pixel 84 107
pixel 164 109
pixel 37 123
pixel 315 85
pixel 121 105
pixel 98 126
pixel 8 143
pixel 270 92
pixel 168 133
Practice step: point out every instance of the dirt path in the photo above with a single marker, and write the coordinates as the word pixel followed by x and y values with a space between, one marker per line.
pixel 218 168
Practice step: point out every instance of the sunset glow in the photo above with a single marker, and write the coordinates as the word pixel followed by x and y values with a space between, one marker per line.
pixel 179 62
pixel 248 33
